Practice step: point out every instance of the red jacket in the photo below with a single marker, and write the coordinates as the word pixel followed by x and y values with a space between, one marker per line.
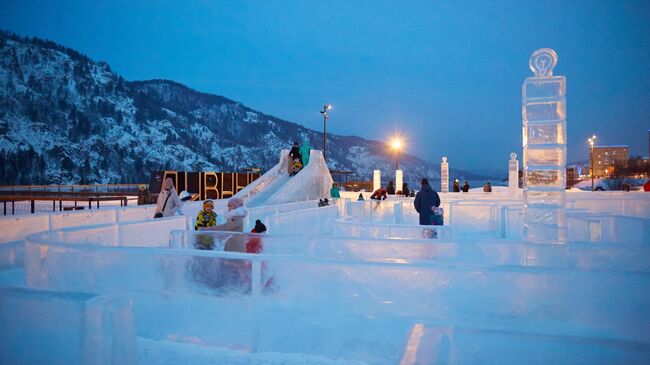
pixel 379 194
pixel 254 244
pixel 646 186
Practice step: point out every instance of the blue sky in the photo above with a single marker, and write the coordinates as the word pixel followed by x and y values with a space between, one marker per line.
pixel 446 74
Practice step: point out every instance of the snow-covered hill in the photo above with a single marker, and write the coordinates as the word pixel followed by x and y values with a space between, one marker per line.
pixel 67 119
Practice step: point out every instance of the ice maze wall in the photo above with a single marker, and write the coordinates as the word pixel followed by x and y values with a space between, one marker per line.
pixel 465 294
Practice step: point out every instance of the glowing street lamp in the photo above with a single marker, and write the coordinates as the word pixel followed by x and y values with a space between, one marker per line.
pixel 326 107
pixel 592 141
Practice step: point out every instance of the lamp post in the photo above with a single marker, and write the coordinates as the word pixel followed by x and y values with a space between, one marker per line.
pixel 592 141
pixel 326 107
pixel 396 145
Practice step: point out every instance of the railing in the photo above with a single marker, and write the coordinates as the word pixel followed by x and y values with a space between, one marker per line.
pixel 97 188
pixel 54 199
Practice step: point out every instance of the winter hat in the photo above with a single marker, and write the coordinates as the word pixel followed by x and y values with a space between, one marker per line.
pixel 259 227
pixel 208 203
pixel 424 181
pixel 235 203
pixel 184 195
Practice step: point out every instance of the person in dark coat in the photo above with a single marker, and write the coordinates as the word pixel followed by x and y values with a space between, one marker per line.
pixel 295 152
pixel 425 199
pixel 465 187
pixel 456 187
pixel 405 189
pixel 487 188
pixel 390 189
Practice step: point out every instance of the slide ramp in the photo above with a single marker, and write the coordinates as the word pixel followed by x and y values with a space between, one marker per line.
pixel 261 184
pixel 313 182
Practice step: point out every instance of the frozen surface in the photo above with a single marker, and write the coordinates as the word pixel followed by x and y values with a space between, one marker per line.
pixel 48 327
pixel 361 283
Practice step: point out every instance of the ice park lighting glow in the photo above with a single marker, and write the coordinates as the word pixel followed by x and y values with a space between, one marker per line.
pixel 396 144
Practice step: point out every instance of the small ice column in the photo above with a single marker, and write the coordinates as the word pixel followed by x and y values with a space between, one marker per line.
pixel 513 174
pixel 376 180
pixel 399 179
pixel 544 145
pixel 444 175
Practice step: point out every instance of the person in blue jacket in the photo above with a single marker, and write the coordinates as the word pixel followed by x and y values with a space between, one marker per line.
pixel 425 199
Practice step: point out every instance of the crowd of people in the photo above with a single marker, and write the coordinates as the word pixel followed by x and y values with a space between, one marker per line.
pixel 169 203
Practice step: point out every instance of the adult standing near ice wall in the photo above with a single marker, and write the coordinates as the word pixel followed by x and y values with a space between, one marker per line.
pixel 168 201
pixel 425 199
pixel 544 146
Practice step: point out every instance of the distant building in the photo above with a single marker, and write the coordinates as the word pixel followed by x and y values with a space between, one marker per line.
pixel 606 157
pixel 639 167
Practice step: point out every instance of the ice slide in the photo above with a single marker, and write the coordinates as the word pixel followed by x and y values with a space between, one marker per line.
pixel 277 187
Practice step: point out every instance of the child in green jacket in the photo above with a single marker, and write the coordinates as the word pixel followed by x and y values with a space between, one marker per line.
pixel 206 217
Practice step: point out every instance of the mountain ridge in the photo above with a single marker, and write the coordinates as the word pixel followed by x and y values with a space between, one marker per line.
pixel 66 119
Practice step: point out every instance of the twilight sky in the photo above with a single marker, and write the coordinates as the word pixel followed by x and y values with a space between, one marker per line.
pixel 446 74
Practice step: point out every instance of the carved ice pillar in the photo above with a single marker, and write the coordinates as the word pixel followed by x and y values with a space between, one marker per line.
pixel 399 179
pixel 444 175
pixel 513 173
pixel 544 145
pixel 376 180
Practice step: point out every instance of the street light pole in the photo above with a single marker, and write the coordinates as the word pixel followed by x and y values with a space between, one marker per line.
pixel 396 160
pixel 592 141
pixel 326 107
pixel 396 145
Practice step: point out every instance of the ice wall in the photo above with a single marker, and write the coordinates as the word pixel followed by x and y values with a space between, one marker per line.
pixel 50 327
pixel 544 145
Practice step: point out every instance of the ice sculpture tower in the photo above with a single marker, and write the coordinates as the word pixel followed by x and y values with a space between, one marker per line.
pixel 544 145
pixel 444 175
pixel 513 174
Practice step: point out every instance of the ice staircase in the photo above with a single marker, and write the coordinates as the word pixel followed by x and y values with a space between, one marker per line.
pixel 277 187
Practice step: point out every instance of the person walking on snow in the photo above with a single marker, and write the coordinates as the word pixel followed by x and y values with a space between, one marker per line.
pixel 425 199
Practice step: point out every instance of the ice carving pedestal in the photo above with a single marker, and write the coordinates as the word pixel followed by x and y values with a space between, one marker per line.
pixel 513 174
pixel 544 145
pixel 376 180
pixel 399 179
pixel 444 175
